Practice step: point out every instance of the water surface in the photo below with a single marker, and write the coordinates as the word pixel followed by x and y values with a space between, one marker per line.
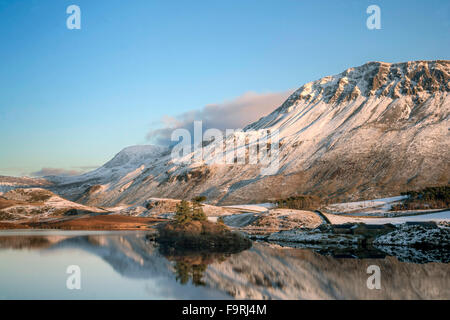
pixel 127 265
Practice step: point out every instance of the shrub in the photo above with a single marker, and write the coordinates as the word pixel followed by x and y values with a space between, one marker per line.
pixel 199 199
pixel 186 212
pixel 430 194
pixel 427 198
pixel 197 212
pixel 303 202
pixel 183 213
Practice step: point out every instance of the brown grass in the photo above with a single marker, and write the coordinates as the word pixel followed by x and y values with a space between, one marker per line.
pixel 103 222
pixel 5 203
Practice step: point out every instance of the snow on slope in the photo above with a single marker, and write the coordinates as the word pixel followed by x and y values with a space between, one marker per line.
pixel 126 163
pixel 38 203
pixel 117 175
pixel 370 131
pixel 11 183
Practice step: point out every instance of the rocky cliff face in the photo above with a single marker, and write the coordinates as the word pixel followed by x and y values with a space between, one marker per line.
pixel 378 79
pixel 370 131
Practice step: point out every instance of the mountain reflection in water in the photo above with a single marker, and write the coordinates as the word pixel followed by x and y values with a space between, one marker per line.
pixel 127 265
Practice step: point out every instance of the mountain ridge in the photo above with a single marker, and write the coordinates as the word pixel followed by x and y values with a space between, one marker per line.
pixel 369 131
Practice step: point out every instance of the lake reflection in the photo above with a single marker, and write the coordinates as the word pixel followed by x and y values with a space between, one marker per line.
pixel 126 265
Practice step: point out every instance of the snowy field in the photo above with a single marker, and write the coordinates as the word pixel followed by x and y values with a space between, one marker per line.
pixel 436 217
pixel 369 212
pixel 366 207
pixel 260 207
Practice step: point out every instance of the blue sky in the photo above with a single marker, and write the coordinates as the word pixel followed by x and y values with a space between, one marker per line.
pixel 71 99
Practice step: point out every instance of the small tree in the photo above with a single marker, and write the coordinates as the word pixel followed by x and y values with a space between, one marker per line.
pixel 186 212
pixel 183 213
pixel 197 212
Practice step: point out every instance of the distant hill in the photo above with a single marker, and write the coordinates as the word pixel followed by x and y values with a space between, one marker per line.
pixel 39 203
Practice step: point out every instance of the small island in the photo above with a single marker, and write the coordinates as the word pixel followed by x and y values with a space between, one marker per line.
pixel 192 231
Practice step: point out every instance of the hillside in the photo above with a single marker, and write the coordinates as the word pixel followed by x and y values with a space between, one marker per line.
pixel 33 203
pixel 369 132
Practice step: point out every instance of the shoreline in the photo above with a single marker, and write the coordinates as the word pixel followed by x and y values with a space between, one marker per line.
pixel 92 223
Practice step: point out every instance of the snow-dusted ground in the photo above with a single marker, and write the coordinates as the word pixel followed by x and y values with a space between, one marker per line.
pixel 272 220
pixel 366 207
pixel 315 236
pixel 260 207
pixel 28 204
pixel 403 235
pixel 436 217
pixel 240 220
pixel 11 183
pixel 411 235
pixel 378 208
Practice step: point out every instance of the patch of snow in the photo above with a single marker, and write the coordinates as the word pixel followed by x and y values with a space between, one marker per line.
pixel 443 216
pixel 313 236
pixel 261 207
pixel 240 220
pixel 416 235
pixel 377 205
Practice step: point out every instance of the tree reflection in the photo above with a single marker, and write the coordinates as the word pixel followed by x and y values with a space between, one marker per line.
pixel 185 271
pixel 191 265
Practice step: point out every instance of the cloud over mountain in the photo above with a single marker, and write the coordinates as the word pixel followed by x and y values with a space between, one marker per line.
pixel 231 114
pixel 57 172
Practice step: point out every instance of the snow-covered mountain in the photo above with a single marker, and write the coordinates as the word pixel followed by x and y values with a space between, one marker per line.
pixel 370 131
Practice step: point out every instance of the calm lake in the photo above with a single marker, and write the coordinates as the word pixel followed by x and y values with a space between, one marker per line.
pixel 127 265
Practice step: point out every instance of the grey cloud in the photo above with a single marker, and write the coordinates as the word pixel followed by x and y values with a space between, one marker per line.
pixel 232 114
pixel 86 168
pixel 56 172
